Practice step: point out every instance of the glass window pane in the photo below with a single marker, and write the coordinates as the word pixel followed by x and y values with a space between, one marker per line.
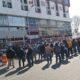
pixel 1 20
pixel 9 5
pixel 16 21
pixel 4 4
pixel 26 8
pixel 6 20
pixel 25 1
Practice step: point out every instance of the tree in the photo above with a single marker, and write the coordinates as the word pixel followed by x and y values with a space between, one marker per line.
pixel 75 24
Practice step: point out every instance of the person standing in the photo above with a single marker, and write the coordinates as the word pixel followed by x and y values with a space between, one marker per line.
pixel 52 47
pixel 62 51
pixel 21 56
pixel 57 51
pixel 79 45
pixel 41 49
pixel 69 42
pixel 75 46
pixel 29 56
pixel 10 56
pixel 48 53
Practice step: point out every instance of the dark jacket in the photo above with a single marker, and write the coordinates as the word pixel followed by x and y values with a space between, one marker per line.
pixel 29 53
pixel 41 48
pixel 20 53
pixel 65 43
pixel 10 53
pixel 74 43
pixel 57 49
pixel 62 48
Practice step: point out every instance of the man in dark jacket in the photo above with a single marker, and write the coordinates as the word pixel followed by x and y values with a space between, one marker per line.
pixel 41 49
pixel 21 55
pixel 29 56
pixel 57 50
pixel 75 46
pixel 62 51
pixel 10 55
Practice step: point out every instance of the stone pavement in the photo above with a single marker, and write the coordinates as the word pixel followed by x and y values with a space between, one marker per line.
pixel 66 71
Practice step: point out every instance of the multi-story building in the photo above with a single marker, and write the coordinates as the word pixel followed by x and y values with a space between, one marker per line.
pixel 33 18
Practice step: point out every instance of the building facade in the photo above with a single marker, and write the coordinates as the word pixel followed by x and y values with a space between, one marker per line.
pixel 20 19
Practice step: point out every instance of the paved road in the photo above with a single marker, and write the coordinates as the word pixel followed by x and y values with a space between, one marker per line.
pixel 66 71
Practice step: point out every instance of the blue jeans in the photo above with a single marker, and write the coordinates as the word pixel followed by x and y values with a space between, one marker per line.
pixel 49 57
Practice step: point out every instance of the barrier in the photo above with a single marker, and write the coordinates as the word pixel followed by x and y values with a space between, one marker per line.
pixel 4 59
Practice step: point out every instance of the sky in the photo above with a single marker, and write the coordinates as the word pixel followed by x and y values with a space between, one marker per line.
pixel 74 8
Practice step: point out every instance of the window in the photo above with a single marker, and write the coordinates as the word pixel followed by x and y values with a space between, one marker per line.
pixel 7 3
pixel 37 8
pixel 4 4
pixel 16 21
pixel 66 2
pixel 48 12
pixel 48 7
pixel 64 15
pixel 53 23
pixel 60 24
pixel 37 3
pixel 43 23
pixel 25 1
pixel 3 20
pixel 64 12
pixel 67 25
pixel 57 13
pixel 31 22
pixel 57 10
pixel 24 5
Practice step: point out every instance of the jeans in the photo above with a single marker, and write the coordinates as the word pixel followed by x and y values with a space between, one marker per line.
pixel 30 60
pixel 70 51
pixel 10 62
pixel 21 60
pixel 49 57
pixel 58 57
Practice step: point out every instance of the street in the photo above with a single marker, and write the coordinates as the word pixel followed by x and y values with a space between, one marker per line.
pixel 42 71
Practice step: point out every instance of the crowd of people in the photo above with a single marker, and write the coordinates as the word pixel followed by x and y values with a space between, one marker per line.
pixel 62 49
